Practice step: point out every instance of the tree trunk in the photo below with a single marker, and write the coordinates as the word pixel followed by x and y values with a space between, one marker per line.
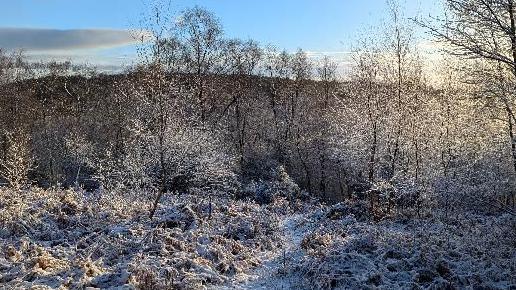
pixel 322 184
pixel 372 157
pixel 512 16
pixel 513 140
pixel 303 163
pixel 400 119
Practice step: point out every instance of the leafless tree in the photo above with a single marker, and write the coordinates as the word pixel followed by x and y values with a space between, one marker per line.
pixel 18 161
pixel 201 34
pixel 484 30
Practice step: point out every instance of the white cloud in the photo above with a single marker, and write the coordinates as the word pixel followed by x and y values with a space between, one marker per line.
pixel 38 39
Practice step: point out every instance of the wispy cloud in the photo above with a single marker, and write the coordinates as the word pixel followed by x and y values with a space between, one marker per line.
pixel 37 39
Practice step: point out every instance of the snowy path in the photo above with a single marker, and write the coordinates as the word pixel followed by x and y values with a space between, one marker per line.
pixel 271 274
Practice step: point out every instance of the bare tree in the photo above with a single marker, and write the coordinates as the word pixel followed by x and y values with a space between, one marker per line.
pixel 484 30
pixel 398 44
pixel 301 72
pixel 367 75
pixel 154 89
pixel 243 59
pixel 201 34
pixel 327 73
pixel 18 160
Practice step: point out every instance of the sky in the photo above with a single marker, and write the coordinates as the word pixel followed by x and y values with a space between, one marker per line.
pixel 96 31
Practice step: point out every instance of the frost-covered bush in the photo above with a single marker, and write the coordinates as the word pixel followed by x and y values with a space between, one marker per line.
pixel 279 185
pixel 398 197
pixel 183 217
pixel 194 159
pixel 198 154
pixel 17 161
pixel 36 211
pixel 358 209
pixel 476 188
pixel 466 252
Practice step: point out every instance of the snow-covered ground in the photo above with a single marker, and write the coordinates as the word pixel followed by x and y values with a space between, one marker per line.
pixel 320 251
pixel 68 240
pixel 272 273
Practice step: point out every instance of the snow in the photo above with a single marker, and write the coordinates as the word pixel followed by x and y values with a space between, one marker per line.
pixel 65 239
pixel 271 273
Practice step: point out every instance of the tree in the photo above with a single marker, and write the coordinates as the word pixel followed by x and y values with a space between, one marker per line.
pixel 242 60
pixel 301 72
pixel 156 92
pixel 327 73
pixel 366 74
pixel 398 48
pixel 200 32
pixel 484 31
pixel 18 161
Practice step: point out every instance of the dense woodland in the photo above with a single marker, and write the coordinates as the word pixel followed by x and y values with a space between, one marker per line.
pixel 205 111
pixel 405 134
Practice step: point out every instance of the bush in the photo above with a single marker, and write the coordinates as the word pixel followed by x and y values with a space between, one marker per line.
pixel 266 191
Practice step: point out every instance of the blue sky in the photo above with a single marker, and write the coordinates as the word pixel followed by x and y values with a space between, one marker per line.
pixel 318 26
